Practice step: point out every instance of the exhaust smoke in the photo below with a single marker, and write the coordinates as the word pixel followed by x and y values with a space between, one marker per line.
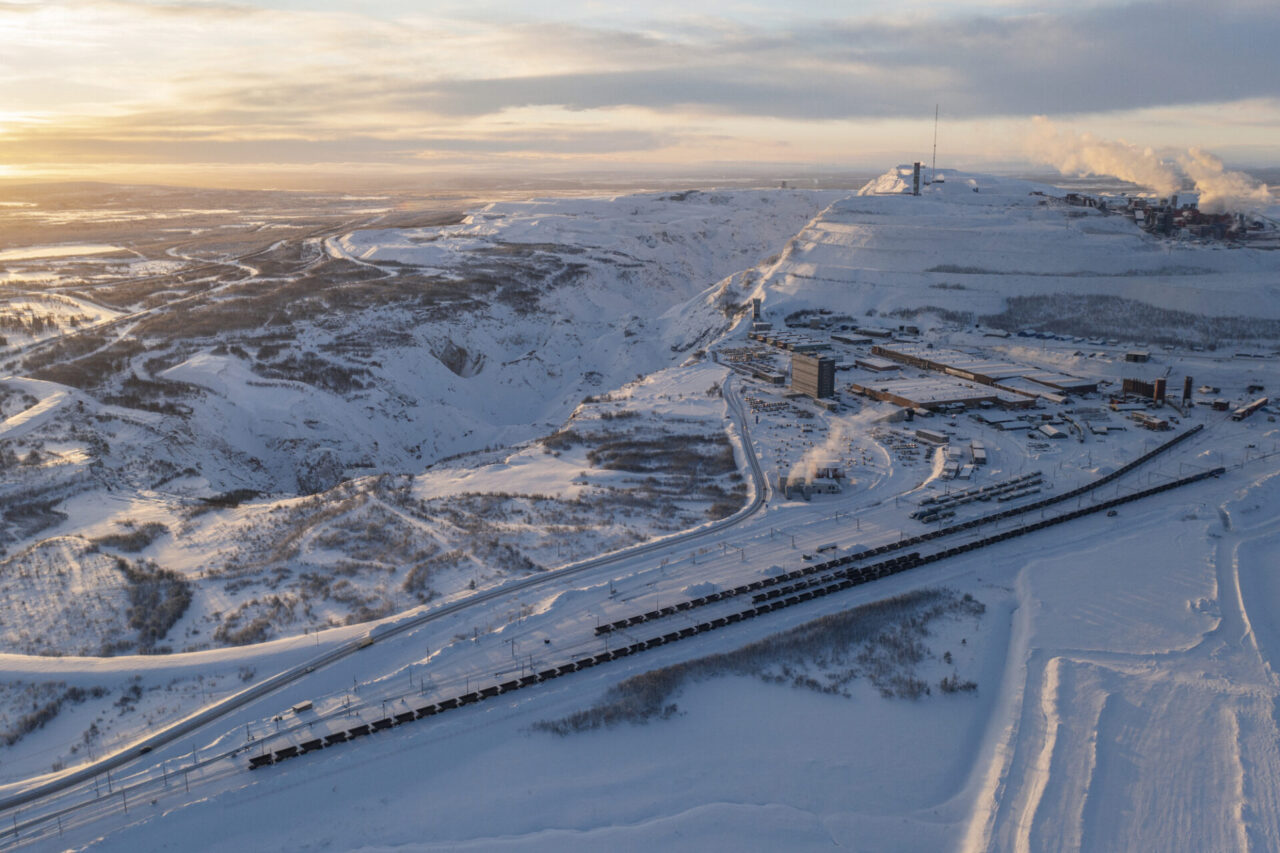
pixel 1222 191
pixel 1084 155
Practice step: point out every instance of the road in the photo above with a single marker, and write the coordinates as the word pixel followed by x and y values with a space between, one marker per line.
pixel 876 520
pixel 400 625
pixel 13 358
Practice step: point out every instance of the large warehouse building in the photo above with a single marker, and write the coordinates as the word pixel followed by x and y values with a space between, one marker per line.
pixel 1019 378
pixel 936 392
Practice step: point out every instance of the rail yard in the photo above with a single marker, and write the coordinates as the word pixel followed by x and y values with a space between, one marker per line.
pixel 902 511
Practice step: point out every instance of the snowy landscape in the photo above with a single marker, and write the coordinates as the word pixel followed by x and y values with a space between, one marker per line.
pixel 390 522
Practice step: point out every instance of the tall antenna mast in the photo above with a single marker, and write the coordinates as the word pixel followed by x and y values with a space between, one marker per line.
pixel 933 171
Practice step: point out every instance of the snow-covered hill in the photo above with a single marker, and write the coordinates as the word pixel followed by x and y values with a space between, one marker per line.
pixel 213 422
pixel 273 459
pixel 1008 252
pixel 406 346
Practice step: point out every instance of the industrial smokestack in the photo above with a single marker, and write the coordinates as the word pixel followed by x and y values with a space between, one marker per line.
pixel 915 183
pixel 1186 391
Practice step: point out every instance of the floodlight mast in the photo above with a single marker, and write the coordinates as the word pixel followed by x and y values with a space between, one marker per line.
pixel 933 170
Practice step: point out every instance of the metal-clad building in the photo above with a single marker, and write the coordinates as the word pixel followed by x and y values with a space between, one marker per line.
pixel 985 370
pixel 813 375
pixel 1138 388
pixel 877 365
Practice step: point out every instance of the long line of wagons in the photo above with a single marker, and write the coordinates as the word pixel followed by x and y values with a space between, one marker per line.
pixel 767 595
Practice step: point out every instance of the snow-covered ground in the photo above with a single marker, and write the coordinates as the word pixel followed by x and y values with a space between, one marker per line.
pixel 1108 706
pixel 1123 662
pixel 260 471
pixel 956 249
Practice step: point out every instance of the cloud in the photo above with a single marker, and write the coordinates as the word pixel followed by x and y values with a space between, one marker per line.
pixel 737 90
pixel 138 77
pixel 185 145
pixel 1092 60
pixel 549 142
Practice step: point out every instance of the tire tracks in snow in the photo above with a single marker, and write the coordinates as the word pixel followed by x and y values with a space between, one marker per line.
pixel 1232 686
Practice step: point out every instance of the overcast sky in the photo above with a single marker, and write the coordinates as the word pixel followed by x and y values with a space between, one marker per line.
pixel 219 92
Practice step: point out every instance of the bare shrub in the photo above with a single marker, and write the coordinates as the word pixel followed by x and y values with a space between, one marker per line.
pixel 311 369
pixel 46 701
pixel 561 440
pixel 157 599
pixel 134 538
pixel 695 455
pixel 881 642
pixel 1103 315
pixel 254 621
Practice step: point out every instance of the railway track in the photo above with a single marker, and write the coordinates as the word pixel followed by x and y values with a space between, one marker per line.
pixel 765 596
pixel 206 716
pixel 801 585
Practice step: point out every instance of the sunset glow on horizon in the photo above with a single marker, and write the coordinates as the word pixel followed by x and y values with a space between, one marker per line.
pixel 275 92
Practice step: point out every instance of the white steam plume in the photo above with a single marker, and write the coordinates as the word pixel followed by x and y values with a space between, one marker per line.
pixel 807 468
pixel 1222 191
pixel 1085 154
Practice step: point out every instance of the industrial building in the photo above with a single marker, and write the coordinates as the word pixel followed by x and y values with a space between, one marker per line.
pixel 791 341
pixel 876 365
pixel 978 451
pixel 1155 390
pixel 986 371
pixel 936 392
pixel 1150 421
pixel 1137 388
pixel 932 436
pixel 1167 217
pixel 813 375
pixel 824 486
pixel 1247 410
pixel 1031 388
pixel 801 487
pixel 1159 388
pixel 852 340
